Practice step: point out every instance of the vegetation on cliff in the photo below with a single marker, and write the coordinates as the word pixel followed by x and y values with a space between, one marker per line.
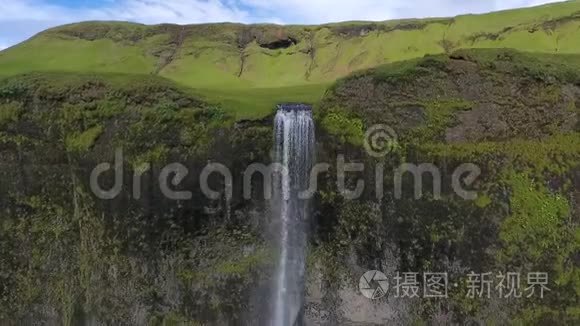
pixel 67 257
pixel 513 114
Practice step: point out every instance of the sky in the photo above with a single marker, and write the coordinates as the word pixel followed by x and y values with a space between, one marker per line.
pixel 21 19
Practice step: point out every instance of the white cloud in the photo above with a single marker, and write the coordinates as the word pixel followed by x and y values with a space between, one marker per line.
pixel 509 4
pixel 20 19
pixel 175 11
pixel 147 11
pixel 320 11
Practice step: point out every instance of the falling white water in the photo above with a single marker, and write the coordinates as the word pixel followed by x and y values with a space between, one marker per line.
pixel 294 147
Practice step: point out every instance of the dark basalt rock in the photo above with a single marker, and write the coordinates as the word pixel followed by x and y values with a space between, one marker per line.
pixel 280 44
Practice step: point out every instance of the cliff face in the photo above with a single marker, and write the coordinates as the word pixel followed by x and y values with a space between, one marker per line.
pixel 69 257
pixel 515 117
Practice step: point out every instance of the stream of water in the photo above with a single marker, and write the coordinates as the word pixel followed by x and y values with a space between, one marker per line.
pixel 294 149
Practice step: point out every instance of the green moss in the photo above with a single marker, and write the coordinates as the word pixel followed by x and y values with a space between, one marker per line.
pixel 348 130
pixel 541 66
pixel 253 143
pixel 173 319
pixel 535 225
pixel 10 113
pixel 81 143
pixel 221 255
pixel 483 201
pixel 538 236
pixel 157 154
pixel 243 266
pixel 440 115
pixel 227 267
pixel 198 127
pixel 556 155
pixel 19 140
pixel 409 70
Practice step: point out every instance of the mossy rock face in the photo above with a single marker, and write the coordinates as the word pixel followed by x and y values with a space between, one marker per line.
pixel 512 114
pixel 68 257
pixel 471 96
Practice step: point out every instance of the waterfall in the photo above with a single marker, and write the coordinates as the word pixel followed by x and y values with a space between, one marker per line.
pixel 294 149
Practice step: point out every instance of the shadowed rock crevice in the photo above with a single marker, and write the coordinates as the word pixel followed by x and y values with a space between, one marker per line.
pixel 176 38
pixel 446 44
pixel 552 25
pixel 489 36
pixel 311 52
pixel 356 30
pixel 279 44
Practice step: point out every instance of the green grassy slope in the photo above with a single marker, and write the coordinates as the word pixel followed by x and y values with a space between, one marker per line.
pixel 226 60
pixel 259 102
